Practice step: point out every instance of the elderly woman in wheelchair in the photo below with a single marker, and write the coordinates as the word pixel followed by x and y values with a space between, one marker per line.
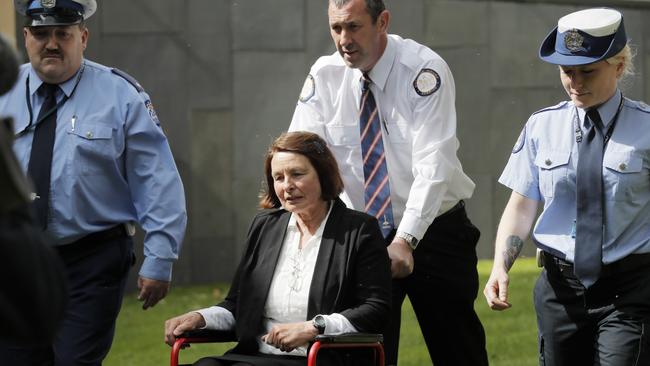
pixel 311 266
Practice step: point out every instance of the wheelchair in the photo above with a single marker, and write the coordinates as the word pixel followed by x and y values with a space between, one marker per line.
pixel 340 341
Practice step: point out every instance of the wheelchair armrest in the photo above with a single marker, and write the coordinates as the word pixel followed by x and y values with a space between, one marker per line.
pixel 209 335
pixel 200 336
pixel 350 338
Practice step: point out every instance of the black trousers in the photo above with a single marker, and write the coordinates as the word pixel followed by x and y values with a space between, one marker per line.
pixel 605 325
pixel 442 290
pixel 96 272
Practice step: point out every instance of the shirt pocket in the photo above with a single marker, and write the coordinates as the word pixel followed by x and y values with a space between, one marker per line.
pixel 91 149
pixel 343 135
pixel 624 175
pixel 553 168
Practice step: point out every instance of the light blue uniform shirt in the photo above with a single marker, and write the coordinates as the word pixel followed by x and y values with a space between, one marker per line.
pixel 543 164
pixel 111 162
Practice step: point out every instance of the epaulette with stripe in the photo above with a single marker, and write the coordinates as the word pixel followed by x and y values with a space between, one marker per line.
pixel 552 108
pixel 128 78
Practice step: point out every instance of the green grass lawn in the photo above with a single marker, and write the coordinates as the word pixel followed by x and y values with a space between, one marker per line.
pixel 511 335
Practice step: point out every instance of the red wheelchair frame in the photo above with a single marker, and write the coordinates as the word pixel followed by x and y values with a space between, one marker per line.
pixel 340 341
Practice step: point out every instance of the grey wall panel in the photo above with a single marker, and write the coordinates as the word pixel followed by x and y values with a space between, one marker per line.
pixel 455 23
pixel 208 17
pixel 208 47
pixel 645 76
pixel 265 93
pixel 516 31
pixel 209 71
pixel 635 26
pixel 142 16
pixel 407 18
pixel 211 167
pixel 212 260
pixel 473 103
pixel 643 62
pixel 158 63
pixel 318 39
pixel 268 25
pixel 509 116
pixel 479 211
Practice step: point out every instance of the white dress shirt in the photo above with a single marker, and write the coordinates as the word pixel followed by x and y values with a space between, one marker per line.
pixel 289 293
pixel 418 131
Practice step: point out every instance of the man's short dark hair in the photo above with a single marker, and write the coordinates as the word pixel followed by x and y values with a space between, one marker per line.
pixel 374 7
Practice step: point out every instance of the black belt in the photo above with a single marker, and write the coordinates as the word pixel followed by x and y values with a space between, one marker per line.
pixel 628 264
pixel 90 243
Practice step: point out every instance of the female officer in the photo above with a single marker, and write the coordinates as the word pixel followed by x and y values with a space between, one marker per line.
pixel 588 161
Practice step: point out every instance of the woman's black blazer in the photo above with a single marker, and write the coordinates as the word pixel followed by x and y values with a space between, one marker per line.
pixel 351 277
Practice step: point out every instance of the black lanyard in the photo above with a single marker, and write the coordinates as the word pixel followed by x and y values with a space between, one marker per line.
pixel 610 130
pixel 55 108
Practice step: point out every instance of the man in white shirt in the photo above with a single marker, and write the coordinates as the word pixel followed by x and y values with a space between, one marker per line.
pixel 385 106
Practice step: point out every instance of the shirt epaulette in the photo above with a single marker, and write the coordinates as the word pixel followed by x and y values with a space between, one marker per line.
pixel 552 108
pixel 128 78
pixel 325 62
pixel 414 56
pixel 643 107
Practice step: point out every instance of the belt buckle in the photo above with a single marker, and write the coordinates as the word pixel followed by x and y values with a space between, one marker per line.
pixel 129 227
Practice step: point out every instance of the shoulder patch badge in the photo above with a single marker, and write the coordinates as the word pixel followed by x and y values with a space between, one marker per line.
pixel 427 82
pixel 152 112
pixel 308 89
pixel 521 141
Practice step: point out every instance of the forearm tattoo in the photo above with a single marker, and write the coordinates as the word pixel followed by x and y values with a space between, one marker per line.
pixel 513 248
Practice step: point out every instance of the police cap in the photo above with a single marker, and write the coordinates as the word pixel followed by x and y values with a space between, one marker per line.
pixel 43 13
pixel 585 37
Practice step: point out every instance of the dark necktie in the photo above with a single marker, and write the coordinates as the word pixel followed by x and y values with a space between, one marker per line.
pixel 377 187
pixel 40 159
pixel 589 202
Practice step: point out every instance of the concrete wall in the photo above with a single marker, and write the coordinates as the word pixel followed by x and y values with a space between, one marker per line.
pixel 225 75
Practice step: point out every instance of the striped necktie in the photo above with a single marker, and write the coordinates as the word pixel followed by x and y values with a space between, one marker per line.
pixel 375 171
pixel 40 159
pixel 589 203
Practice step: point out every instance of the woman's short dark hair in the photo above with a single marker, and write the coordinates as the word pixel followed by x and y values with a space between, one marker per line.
pixel 314 148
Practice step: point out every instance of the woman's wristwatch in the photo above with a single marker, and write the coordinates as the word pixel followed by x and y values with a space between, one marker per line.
pixel 411 240
pixel 319 323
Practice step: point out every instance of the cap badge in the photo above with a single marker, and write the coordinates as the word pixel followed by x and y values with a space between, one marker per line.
pixel 48 4
pixel 573 40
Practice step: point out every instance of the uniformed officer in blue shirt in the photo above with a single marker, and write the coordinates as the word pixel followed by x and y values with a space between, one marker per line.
pixel 587 161
pixel 89 139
